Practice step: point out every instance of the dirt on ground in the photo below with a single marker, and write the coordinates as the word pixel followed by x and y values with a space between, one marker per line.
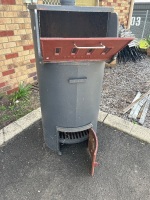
pixel 121 84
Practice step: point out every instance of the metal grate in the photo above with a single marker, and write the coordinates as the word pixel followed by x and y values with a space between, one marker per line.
pixel 51 2
pixel 73 137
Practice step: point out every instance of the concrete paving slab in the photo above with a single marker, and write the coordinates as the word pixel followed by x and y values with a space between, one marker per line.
pixel 101 116
pixel 1 137
pixel 118 123
pixel 141 133
pixel 37 113
pixel 11 130
pixel 29 119
pixel 29 171
pixel 19 125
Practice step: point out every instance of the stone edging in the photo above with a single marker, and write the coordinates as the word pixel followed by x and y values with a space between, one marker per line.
pixel 23 123
pixel 130 128
pixel 15 128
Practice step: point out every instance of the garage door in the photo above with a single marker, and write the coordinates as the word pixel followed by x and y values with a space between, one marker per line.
pixel 140 24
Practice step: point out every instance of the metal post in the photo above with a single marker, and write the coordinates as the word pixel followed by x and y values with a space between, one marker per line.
pixel 130 14
pixel 145 23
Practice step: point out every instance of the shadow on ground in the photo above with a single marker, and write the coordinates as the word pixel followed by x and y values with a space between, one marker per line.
pixel 31 172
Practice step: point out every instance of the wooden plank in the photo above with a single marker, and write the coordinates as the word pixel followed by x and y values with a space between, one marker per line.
pixel 139 106
pixel 135 106
pixel 143 116
pixel 132 104
pixel 140 113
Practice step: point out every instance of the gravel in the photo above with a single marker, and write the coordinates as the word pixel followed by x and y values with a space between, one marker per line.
pixel 121 84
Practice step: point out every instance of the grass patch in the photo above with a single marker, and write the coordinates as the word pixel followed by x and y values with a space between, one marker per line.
pixel 18 104
pixel 22 93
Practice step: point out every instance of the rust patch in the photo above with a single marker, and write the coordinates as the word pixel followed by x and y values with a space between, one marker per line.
pixel 93 147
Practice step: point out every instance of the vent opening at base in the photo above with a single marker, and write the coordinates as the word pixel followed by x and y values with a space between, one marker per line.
pixel 73 137
pixel 80 136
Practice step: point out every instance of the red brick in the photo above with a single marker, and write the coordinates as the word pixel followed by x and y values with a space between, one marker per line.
pixel 6 33
pixel 23 14
pixel 29 66
pixel 115 1
pixel 108 4
pixel 119 4
pixel 32 60
pixel 12 90
pixel 2 84
pixel 11 66
pixel 11 55
pixel 5 73
pixel 28 47
pixel 8 2
pixel 35 78
pixel 26 37
pixel 6 88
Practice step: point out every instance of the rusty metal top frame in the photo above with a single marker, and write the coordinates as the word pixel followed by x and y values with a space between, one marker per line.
pixel 81 49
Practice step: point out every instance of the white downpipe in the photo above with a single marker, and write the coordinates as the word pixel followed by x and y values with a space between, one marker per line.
pixel 97 2
pixel 145 23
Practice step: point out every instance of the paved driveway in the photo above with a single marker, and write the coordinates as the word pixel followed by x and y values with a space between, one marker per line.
pixel 30 172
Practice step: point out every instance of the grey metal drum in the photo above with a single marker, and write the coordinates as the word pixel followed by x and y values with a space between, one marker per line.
pixel 70 96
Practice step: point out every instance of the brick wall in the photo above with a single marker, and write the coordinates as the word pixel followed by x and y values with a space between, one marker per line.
pixel 17 60
pixel 121 7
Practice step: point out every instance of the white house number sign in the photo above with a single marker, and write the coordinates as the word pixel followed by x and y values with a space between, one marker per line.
pixel 136 21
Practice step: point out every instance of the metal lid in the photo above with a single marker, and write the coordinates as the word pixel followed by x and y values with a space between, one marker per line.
pixel 71 8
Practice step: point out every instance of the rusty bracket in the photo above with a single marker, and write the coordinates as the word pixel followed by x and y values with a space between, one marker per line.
pixel 93 148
